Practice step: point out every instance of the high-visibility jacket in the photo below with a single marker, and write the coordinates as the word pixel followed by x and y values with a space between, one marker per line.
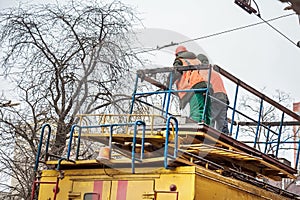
pixel 215 81
pixel 188 78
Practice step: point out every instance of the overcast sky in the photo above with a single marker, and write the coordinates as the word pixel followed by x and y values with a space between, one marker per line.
pixel 257 55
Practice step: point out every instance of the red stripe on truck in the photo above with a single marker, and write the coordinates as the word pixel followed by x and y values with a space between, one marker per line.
pixel 122 190
pixel 98 187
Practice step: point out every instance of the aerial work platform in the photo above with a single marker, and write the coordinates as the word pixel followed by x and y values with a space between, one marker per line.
pixel 210 153
pixel 198 143
pixel 173 156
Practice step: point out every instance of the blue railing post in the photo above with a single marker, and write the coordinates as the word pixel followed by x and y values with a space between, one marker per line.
pixel 47 142
pixel 207 95
pixel 169 94
pixel 138 122
pixel 258 123
pixel 267 139
pixel 234 108
pixel 167 140
pixel 111 128
pixel 279 134
pixel 164 104
pixel 237 131
pixel 297 156
pixel 40 145
pixel 78 144
pixel 70 140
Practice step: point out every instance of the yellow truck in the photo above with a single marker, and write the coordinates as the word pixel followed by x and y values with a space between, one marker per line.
pixel 138 156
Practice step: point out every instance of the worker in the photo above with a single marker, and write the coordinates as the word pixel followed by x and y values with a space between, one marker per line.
pixel 191 79
pixel 219 100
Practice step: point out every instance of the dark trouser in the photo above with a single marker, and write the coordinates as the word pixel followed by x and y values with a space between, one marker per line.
pixel 219 116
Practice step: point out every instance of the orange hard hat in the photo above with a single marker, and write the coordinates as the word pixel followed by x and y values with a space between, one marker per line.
pixel 180 49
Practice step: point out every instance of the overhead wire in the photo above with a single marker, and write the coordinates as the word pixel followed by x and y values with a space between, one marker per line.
pixel 294 43
pixel 222 32
pixel 265 21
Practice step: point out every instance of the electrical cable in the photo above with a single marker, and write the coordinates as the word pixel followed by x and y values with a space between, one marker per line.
pixel 259 16
pixel 278 31
pixel 220 33
pixel 258 12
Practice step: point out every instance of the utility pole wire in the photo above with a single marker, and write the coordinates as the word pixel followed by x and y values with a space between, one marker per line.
pixel 264 21
pixel 220 33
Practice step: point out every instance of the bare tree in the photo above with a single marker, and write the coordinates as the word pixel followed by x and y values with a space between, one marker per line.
pixel 63 60
pixel 251 106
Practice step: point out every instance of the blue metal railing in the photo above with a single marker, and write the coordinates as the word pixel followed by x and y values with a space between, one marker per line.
pixel 71 139
pixel 74 127
pixel 279 135
pixel 234 108
pixel 207 94
pixel 166 150
pixel 167 92
pixel 135 124
pixel 139 122
pixel 267 139
pixel 297 156
pixel 37 160
pixel 258 123
pixel 111 126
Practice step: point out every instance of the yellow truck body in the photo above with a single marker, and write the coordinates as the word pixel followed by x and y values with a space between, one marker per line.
pixel 180 183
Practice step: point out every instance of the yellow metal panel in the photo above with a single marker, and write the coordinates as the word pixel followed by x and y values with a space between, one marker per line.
pixel 193 183
pixel 65 185
pixel 88 186
pixel 183 181
pixel 46 190
pixel 166 196
pixel 83 187
pixel 136 189
pixel 213 186
pixel 131 190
